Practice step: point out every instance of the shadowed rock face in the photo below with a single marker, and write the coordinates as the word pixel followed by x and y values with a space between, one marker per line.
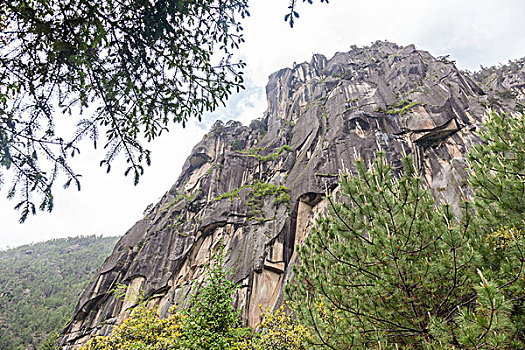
pixel 234 187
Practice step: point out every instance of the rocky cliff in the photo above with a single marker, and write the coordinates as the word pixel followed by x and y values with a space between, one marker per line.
pixel 256 188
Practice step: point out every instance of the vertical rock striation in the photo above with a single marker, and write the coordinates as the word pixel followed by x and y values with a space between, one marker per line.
pixel 257 188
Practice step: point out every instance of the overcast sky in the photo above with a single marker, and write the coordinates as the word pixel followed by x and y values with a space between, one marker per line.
pixel 474 33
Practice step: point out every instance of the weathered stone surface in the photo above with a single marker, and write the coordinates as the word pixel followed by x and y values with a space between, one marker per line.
pixel 503 82
pixel 387 97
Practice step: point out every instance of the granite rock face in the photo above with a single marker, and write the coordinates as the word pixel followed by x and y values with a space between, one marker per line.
pixel 257 188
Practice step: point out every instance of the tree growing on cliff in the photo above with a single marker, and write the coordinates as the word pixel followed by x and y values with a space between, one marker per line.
pixel 385 268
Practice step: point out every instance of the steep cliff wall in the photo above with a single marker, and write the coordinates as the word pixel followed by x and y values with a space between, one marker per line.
pixel 257 188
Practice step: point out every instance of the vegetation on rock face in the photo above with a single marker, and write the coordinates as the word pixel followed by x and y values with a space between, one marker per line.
pixel 255 152
pixel 178 198
pixel 385 268
pixel 399 108
pixel 39 285
pixel 237 145
pixel 258 191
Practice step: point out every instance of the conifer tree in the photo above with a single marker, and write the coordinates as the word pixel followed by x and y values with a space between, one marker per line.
pixel 497 176
pixel 388 268
pixel 498 172
pixel 382 263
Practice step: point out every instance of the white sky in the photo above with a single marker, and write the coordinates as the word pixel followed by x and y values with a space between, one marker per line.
pixel 472 32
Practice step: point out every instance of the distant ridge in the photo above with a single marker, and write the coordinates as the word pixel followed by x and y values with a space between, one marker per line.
pixel 39 285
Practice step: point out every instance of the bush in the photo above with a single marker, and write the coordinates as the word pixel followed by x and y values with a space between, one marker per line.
pixel 278 331
pixel 237 145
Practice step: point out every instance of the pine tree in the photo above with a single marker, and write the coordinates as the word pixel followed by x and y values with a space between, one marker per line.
pixel 498 179
pixel 498 172
pixel 382 263
pixel 387 268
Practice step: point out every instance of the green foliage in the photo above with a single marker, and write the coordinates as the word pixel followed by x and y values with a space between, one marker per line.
pixel 498 181
pixel 386 268
pixel 326 174
pixel 258 191
pixel 40 284
pixel 237 145
pixel 258 125
pixel 497 172
pixel 399 108
pixel 381 263
pixel 261 190
pixel 123 69
pixel 178 198
pixel 51 342
pixel 292 15
pixel 144 330
pixel 278 330
pixel 231 195
pixel 211 322
pixel 255 152
pixel 487 326
pixel 121 290
pixel 3 23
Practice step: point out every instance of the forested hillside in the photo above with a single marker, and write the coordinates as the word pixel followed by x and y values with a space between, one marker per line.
pixel 40 284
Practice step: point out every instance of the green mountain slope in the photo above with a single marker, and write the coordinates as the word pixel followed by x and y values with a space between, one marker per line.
pixel 40 284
